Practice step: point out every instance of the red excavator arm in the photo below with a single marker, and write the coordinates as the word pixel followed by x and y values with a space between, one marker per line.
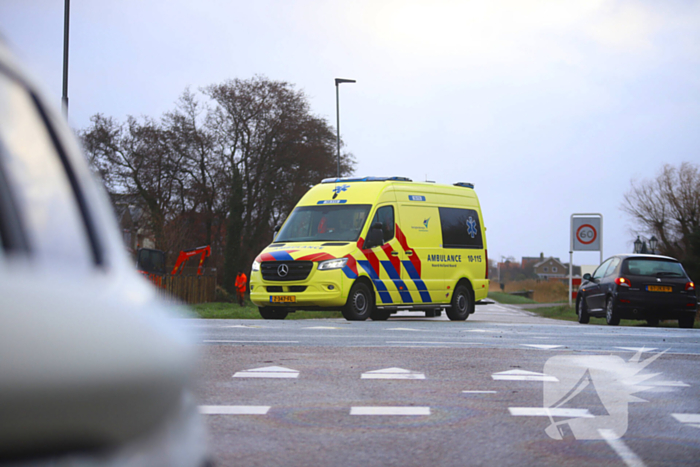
pixel 204 251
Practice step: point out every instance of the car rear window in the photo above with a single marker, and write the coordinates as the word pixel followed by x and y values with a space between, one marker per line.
pixel 652 267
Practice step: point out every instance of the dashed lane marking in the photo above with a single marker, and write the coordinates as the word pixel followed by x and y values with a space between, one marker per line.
pixel 434 343
pixel 522 375
pixel 233 409
pixel 390 411
pixel 268 372
pixel 637 349
pixel 247 342
pixel 392 373
pixel 549 412
pixel 542 346
pixel 688 419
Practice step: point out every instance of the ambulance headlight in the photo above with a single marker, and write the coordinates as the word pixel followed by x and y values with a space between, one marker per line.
pixel 255 266
pixel 332 264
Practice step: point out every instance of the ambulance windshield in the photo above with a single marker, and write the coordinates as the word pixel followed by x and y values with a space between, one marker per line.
pixel 324 223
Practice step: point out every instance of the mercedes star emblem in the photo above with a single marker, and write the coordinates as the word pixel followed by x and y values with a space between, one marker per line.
pixel 282 270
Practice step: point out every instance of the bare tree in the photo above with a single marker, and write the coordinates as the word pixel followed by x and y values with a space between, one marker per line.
pixel 132 159
pixel 668 207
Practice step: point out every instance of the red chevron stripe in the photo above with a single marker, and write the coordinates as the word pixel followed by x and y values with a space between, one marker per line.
pixel 395 260
pixel 369 254
pixel 316 257
pixel 404 244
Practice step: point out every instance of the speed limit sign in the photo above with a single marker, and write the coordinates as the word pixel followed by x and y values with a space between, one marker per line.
pixel 586 233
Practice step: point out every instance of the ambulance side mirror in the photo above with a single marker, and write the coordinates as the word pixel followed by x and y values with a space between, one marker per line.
pixel 375 236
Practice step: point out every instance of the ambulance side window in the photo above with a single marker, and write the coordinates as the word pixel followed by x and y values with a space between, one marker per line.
pixel 461 228
pixel 385 215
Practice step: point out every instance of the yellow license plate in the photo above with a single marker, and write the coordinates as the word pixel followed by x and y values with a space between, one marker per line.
pixel 659 288
pixel 283 299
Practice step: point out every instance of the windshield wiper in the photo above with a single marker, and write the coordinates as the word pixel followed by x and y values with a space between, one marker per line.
pixel 668 273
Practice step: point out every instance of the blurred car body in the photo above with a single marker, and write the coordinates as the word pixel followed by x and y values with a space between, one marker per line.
pixel 647 287
pixel 94 369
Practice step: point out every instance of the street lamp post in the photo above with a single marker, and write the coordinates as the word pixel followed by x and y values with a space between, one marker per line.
pixel 66 18
pixel 339 81
pixel 653 241
pixel 638 245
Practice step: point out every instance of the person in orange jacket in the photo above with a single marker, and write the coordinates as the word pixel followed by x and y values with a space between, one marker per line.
pixel 241 282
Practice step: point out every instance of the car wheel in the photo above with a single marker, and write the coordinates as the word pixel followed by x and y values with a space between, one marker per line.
pixel 611 315
pixel 582 311
pixel 686 322
pixel 268 312
pixel 462 304
pixel 653 322
pixel 360 303
pixel 379 315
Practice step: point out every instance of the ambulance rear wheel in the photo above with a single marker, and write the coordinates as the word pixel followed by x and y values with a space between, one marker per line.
pixel 360 303
pixel 462 304
pixel 268 312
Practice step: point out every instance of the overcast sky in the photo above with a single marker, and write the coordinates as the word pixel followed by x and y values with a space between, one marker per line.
pixel 549 107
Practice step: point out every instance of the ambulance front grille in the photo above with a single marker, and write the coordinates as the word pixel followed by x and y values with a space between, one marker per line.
pixel 295 270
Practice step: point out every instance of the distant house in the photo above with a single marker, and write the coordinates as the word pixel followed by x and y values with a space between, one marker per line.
pixel 551 268
pixel 133 222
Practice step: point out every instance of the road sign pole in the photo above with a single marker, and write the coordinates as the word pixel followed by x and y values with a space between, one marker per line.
pixel 584 238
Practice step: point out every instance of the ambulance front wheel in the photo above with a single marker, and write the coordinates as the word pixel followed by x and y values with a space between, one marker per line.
pixel 360 303
pixel 462 304
pixel 268 312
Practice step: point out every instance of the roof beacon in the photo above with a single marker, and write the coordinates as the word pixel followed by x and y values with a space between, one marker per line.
pixel 465 185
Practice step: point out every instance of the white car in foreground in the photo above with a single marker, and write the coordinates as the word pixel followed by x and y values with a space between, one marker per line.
pixel 94 368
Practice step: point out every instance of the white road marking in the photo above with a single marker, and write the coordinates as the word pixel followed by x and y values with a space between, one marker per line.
pixel 619 446
pixel 434 343
pixel 673 384
pixel 323 327
pixel 392 373
pixel 478 330
pixel 404 329
pixel 522 375
pixel 637 349
pixel 390 411
pixel 478 392
pixel 233 409
pixel 549 412
pixel 689 419
pixel 268 372
pixel 248 342
pixel 542 346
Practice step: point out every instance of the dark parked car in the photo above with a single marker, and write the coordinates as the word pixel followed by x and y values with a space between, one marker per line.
pixel 648 287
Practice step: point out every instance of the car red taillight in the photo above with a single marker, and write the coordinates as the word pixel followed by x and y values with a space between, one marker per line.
pixel 690 286
pixel 622 282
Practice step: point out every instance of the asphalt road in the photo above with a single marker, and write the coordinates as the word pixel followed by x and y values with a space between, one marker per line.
pixel 502 388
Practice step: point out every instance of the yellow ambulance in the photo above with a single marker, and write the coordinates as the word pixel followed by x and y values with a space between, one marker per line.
pixel 372 246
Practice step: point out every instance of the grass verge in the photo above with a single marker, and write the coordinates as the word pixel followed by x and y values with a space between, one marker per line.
pixel 225 310
pixel 508 299
pixel 567 313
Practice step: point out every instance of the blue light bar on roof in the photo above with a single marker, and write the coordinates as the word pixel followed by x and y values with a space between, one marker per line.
pixel 366 179
pixel 465 185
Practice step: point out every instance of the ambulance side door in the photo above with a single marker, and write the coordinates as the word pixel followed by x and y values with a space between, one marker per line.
pixel 382 262
pixel 420 236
